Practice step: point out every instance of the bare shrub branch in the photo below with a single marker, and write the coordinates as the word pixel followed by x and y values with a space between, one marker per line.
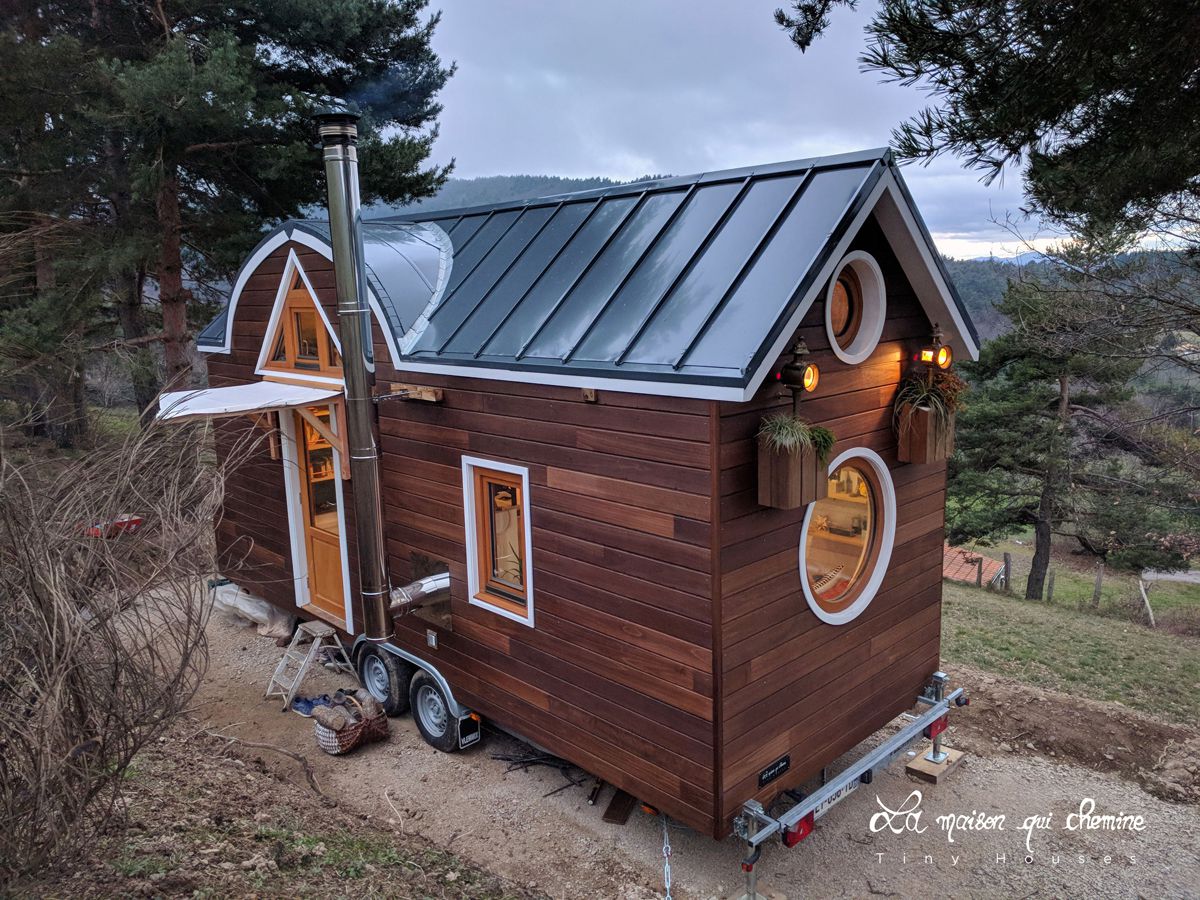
pixel 102 627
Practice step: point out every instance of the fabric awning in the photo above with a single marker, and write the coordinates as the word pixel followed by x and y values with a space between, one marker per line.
pixel 238 399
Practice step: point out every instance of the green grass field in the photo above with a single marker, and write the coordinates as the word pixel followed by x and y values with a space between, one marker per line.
pixel 1076 652
pixel 1075 579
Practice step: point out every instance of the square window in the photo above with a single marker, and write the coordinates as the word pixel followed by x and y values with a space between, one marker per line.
pixel 496 502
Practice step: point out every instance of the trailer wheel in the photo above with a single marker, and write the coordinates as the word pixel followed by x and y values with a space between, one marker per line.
pixel 431 712
pixel 386 678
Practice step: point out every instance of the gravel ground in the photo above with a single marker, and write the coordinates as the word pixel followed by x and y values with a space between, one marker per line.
pixel 516 825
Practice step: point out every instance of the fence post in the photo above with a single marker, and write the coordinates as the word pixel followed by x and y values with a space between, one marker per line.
pixel 1099 584
pixel 979 572
pixel 1050 586
pixel 1008 573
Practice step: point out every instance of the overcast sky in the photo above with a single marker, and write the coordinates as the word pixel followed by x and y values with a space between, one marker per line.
pixel 623 88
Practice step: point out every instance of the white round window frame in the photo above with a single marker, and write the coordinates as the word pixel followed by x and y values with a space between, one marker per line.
pixel 874 302
pixel 887 539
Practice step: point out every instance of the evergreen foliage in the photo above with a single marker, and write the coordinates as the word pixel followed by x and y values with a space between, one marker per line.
pixel 173 131
pixel 1097 101
pixel 1052 439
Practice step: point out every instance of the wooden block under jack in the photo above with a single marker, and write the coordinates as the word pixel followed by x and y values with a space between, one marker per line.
pixel 935 772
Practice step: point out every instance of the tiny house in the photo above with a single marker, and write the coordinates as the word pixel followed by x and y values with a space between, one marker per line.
pixel 565 396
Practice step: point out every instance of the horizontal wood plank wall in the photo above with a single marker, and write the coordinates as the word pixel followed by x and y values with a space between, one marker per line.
pixel 791 684
pixel 617 675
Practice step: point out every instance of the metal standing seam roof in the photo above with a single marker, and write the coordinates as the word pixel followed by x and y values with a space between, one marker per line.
pixel 687 279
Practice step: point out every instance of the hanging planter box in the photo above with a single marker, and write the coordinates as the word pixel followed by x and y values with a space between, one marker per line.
pixel 789 479
pixel 924 438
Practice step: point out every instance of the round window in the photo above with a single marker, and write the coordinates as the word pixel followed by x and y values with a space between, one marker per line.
pixel 855 308
pixel 845 308
pixel 847 538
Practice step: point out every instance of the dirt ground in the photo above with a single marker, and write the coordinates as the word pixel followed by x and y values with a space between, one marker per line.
pixel 1030 753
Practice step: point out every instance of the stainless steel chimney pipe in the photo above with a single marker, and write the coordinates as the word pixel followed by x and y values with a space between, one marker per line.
pixel 339 135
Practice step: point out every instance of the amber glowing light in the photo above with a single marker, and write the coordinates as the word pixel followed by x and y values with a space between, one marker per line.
pixel 812 375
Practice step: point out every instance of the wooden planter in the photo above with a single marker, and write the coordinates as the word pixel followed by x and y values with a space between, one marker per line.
pixel 789 480
pixel 922 440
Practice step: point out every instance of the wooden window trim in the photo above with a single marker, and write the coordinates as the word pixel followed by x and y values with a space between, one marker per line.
pixel 298 300
pixel 871 558
pixel 852 287
pixel 483 589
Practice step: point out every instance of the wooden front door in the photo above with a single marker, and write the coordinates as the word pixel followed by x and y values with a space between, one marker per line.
pixel 322 532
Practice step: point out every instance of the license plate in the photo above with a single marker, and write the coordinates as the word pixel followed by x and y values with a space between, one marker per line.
pixel 836 797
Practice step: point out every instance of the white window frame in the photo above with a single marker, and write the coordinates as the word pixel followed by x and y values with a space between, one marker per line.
pixel 874 307
pixel 474 589
pixel 887 527
pixel 290 269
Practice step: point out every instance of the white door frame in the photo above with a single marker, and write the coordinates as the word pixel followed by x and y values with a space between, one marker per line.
pixel 290 453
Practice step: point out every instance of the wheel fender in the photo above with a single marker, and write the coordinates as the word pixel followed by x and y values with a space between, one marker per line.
pixel 459 711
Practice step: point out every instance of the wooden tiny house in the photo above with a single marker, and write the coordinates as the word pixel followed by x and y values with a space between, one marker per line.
pixel 578 386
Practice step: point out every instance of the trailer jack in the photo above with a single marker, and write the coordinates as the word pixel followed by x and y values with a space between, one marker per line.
pixel 755 825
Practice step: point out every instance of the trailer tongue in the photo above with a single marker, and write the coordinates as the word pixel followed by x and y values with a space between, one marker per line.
pixel 755 825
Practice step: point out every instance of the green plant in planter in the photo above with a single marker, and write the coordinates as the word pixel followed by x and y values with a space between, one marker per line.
pixel 788 433
pixel 791 461
pixel 923 415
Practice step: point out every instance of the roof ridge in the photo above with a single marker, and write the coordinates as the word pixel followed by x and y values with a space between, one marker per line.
pixel 674 182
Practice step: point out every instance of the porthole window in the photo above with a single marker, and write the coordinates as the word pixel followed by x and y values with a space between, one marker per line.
pixel 846 542
pixel 855 308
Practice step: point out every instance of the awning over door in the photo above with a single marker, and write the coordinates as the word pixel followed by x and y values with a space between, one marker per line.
pixel 239 399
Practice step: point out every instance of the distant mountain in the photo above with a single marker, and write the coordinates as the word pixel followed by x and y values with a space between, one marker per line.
pixel 1020 259
pixel 980 282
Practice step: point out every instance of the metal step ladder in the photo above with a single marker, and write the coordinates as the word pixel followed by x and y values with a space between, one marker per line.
pixel 294 665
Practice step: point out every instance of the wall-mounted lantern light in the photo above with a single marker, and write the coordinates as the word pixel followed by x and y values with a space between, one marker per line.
pixel 798 374
pixel 936 354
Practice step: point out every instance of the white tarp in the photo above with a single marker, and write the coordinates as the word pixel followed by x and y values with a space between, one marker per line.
pixel 259 396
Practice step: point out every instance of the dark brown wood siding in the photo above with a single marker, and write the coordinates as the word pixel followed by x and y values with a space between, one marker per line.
pixel 791 684
pixel 617 674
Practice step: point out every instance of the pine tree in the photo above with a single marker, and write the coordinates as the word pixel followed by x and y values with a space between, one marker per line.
pixel 188 129
pixel 1096 99
pixel 1045 441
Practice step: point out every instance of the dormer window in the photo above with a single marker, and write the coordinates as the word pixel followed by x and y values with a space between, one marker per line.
pixel 302 342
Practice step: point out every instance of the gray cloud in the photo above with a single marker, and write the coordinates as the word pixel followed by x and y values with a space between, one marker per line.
pixel 624 89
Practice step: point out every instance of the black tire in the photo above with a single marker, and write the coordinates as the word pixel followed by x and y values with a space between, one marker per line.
pixel 431 712
pixel 386 677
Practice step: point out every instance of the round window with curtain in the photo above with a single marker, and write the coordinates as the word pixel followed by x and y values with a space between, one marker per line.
pixel 842 540
pixel 846 308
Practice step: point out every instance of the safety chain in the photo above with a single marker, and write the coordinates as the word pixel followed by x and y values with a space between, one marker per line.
pixel 666 857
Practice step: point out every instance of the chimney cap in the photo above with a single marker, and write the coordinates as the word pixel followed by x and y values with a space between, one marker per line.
pixel 337 122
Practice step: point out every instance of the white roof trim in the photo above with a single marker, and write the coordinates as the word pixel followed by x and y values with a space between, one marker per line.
pixel 265 249
pixel 238 399
pixel 899 225
pixel 445 266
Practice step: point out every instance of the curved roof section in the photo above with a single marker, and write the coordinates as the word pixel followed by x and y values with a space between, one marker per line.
pixel 405 262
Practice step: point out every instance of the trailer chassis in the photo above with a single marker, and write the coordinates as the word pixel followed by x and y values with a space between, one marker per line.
pixel 755 825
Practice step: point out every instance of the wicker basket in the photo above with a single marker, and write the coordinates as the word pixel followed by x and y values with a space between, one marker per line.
pixel 363 731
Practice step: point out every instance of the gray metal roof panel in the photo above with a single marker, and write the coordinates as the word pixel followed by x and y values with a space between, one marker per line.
pixel 669 284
